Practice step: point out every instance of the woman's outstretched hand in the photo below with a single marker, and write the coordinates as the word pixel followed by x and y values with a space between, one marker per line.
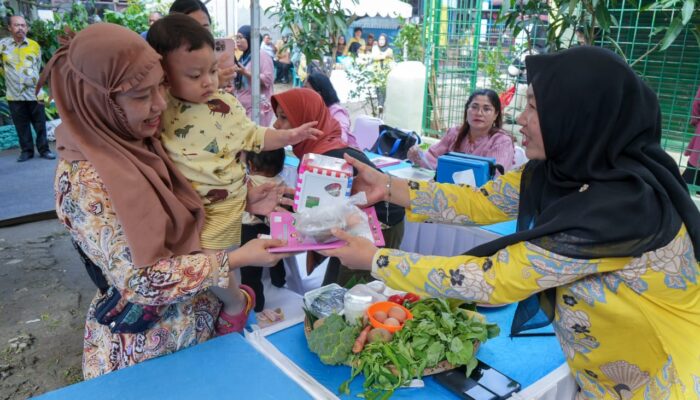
pixel 268 197
pixel 304 132
pixel 414 154
pixel 368 180
pixel 255 253
pixel 358 253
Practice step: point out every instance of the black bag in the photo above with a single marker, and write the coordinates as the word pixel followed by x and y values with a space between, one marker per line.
pixel 112 310
pixel 394 142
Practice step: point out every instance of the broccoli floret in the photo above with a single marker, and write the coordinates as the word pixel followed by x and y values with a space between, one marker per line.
pixel 333 340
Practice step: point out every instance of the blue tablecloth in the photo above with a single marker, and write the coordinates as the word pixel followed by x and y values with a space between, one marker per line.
pixel 524 359
pixel 226 367
pixel 502 228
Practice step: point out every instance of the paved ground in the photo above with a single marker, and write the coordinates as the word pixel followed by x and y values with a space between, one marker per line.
pixel 30 180
pixel 44 294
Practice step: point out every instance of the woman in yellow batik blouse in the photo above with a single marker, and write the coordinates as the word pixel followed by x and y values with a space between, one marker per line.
pixel 608 239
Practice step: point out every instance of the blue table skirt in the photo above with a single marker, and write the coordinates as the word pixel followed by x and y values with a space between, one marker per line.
pixel 524 359
pixel 224 368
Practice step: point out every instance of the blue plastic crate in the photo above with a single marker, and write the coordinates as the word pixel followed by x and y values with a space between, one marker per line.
pixel 453 162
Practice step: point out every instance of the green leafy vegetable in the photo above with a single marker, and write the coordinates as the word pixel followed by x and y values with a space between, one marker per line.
pixel 333 340
pixel 439 331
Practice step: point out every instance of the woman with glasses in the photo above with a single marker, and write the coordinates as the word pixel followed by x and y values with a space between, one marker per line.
pixel 479 135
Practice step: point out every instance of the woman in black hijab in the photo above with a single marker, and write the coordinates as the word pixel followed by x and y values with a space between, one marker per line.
pixel 608 238
pixel 244 78
pixel 323 86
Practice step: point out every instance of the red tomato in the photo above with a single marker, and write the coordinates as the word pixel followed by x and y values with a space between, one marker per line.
pixel 411 297
pixel 397 298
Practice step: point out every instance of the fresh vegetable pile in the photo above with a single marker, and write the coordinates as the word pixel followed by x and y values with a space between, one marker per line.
pixel 439 331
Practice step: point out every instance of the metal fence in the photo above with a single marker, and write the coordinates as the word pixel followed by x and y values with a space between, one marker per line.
pixel 466 49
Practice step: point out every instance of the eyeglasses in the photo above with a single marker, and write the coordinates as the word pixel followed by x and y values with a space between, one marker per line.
pixel 475 108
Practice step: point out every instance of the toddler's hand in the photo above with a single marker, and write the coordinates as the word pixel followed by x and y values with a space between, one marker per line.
pixel 304 132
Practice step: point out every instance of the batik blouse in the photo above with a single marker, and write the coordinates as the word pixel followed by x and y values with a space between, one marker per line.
pixel 177 285
pixel 629 327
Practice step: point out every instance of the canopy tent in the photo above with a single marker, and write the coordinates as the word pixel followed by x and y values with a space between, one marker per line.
pixel 366 8
pixel 375 23
pixel 374 8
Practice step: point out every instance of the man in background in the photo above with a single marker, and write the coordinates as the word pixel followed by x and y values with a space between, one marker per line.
pixel 21 63
pixel 283 62
pixel 267 46
pixel 357 38
pixel 153 17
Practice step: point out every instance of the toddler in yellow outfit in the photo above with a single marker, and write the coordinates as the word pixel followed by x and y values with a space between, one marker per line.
pixel 204 132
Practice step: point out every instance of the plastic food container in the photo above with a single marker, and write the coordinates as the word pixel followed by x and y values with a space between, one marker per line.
pixel 331 297
pixel 385 306
pixel 355 306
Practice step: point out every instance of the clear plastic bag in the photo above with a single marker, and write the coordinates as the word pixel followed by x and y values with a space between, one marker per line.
pixel 315 224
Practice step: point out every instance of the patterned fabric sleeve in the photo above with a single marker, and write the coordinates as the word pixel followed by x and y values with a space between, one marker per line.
pixel 510 275
pixel 496 201
pixel 84 207
pixel 252 135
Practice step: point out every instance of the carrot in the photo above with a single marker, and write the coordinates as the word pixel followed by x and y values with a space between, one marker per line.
pixel 361 340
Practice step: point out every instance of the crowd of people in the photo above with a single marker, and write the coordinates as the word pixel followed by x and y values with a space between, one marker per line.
pixel 164 181
pixel 358 46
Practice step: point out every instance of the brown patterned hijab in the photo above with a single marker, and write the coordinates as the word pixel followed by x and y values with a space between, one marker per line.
pixel 159 211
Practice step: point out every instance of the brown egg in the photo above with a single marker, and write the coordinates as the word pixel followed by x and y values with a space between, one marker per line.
pixel 397 313
pixel 392 322
pixel 380 316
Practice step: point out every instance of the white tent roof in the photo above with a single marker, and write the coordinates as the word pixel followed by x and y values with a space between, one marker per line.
pixel 375 8
pixel 367 8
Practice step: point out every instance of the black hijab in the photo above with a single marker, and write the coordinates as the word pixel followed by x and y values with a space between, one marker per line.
pixel 244 59
pixel 322 85
pixel 607 188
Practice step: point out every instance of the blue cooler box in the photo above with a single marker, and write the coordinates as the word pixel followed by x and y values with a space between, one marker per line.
pixel 453 162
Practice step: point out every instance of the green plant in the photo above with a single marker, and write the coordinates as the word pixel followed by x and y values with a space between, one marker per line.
pixel 408 42
pixel 491 64
pixel 46 33
pixel 594 21
pixel 369 82
pixel 134 17
pixel 315 25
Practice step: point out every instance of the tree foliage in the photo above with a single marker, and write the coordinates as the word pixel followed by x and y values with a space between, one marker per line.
pixel 134 17
pixel 314 25
pixel 46 33
pixel 594 21
pixel 408 42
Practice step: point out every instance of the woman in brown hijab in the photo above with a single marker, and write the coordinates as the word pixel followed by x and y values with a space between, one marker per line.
pixel 133 216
